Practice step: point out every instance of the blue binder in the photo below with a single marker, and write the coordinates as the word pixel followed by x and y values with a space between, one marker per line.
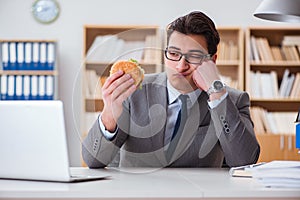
pixel 34 87
pixel 19 87
pixel 20 56
pixel 26 87
pixel 10 87
pixel 49 88
pixel 3 83
pixel 50 56
pixel 28 56
pixel 5 55
pixel 35 56
pixel 43 56
pixel 12 63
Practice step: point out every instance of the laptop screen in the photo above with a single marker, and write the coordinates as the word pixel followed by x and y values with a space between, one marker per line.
pixel 33 140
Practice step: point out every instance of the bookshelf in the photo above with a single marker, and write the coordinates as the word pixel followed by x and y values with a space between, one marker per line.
pixel 105 44
pixel 230 60
pixel 28 69
pixel 272 65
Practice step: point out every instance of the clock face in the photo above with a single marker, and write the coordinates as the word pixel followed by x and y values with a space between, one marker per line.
pixel 45 11
pixel 218 85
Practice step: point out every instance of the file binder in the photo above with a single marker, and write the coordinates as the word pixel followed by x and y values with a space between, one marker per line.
pixel 11 87
pixel 49 88
pixel 20 56
pixel 35 56
pixel 43 56
pixel 34 87
pixel 28 56
pixel 3 87
pixel 42 88
pixel 26 87
pixel 19 87
pixel 5 55
pixel 12 56
pixel 50 56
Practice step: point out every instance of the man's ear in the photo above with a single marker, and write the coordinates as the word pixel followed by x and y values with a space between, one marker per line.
pixel 214 58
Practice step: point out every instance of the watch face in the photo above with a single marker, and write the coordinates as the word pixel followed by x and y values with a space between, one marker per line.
pixel 45 11
pixel 218 85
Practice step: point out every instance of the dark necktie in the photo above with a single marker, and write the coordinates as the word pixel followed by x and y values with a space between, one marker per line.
pixel 179 126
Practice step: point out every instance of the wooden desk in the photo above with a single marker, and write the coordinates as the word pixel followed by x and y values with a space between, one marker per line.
pixel 149 184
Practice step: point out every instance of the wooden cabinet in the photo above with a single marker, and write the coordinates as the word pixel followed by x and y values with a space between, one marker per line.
pixel 230 60
pixel 103 45
pixel 28 70
pixel 277 147
pixel 268 66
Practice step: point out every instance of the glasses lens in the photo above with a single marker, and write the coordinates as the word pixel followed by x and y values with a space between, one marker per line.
pixel 194 58
pixel 173 55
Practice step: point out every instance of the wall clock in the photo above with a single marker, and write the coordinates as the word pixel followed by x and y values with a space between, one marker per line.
pixel 45 11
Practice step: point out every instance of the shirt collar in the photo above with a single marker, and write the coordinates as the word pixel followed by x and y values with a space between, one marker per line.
pixel 174 94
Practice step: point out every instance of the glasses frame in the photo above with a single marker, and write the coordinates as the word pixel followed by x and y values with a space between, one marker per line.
pixel 186 57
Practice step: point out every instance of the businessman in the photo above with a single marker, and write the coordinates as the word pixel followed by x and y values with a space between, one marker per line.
pixel 183 117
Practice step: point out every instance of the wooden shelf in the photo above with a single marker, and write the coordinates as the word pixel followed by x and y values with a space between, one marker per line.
pixel 277 105
pixel 273 146
pixel 93 105
pixel 99 68
pixel 232 66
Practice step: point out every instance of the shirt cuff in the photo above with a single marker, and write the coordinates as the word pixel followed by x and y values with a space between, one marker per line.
pixel 216 102
pixel 108 135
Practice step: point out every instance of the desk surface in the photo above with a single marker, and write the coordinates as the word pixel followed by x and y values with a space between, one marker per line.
pixel 150 184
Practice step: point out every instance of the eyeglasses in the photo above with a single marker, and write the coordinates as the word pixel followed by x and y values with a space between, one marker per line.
pixel 190 57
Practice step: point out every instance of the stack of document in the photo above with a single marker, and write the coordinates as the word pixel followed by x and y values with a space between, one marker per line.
pixel 278 174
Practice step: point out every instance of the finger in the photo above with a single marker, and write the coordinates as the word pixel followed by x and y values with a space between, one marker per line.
pixel 123 96
pixel 122 88
pixel 112 78
pixel 117 82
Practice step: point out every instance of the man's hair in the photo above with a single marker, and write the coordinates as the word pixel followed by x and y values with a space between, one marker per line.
pixel 196 23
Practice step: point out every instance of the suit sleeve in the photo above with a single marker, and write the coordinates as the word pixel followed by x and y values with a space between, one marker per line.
pixel 234 129
pixel 99 151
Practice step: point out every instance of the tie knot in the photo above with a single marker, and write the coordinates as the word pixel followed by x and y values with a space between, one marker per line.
pixel 183 98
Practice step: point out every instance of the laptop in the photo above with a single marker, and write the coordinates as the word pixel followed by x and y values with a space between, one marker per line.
pixel 33 142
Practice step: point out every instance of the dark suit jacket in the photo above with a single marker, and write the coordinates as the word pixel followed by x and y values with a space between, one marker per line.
pixel 209 136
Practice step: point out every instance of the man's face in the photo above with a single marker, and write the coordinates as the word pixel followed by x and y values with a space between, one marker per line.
pixel 180 72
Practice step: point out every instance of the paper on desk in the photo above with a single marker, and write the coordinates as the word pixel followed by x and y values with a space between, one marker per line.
pixel 242 171
pixel 278 174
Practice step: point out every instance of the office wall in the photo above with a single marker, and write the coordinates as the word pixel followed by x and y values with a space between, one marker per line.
pixel 16 22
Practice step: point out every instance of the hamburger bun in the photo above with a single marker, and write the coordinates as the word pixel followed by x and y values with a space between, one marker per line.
pixel 129 67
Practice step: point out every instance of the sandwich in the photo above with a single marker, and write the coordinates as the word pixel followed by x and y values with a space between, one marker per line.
pixel 131 67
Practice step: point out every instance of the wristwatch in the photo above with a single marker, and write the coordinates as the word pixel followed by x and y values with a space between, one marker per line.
pixel 216 86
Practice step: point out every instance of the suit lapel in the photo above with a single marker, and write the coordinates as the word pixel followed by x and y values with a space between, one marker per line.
pixel 157 93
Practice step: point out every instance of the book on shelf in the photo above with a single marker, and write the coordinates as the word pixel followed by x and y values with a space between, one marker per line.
pixel 94 85
pixel 276 53
pixel 272 122
pixel 290 40
pixel 266 85
pixel 261 50
pixel 109 48
pixel 227 50
pixel 295 91
pixel 254 51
